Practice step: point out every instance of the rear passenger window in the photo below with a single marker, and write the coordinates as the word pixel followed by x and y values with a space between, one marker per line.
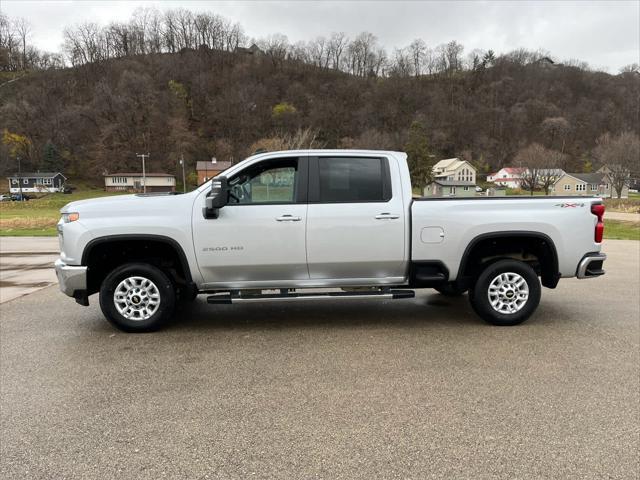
pixel 353 180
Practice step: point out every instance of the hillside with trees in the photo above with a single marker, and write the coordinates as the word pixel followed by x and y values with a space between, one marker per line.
pixel 178 83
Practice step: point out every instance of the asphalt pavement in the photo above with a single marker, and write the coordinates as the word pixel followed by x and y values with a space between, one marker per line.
pixel 416 388
pixel 26 265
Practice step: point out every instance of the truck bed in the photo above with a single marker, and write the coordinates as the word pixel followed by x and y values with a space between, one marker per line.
pixel 444 227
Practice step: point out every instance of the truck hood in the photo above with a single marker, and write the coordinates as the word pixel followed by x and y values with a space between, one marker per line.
pixel 120 202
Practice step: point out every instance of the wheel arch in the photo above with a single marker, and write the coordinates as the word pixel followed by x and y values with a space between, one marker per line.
pixel 134 243
pixel 534 243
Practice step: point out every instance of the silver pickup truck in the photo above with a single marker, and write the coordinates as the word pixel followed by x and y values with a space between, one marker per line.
pixel 321 224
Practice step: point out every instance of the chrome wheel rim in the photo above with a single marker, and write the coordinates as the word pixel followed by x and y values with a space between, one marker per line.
pixel 508 293
pixel 136 298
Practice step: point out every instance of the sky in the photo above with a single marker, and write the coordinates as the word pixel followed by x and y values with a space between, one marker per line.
pixel 605 34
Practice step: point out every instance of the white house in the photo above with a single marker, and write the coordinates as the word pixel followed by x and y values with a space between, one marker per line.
pixel 454 170
pixel 510 177
pixel 134 182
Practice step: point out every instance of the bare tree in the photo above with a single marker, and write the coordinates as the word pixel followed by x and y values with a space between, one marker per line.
pixel 276 46
pixel 631 68
pixel 154 34
pixel 23 29
pixel 556 128
pixel 363 58
pixel 621 155
pixel 430 62
pixel 450 57
pixel 202 23
pixel 402 63
pixel 337 44
pixel 85 43
pixel 379 63
pixel 6 33
pixel 170 31
pixel 303 138
pixel 418 50
pixel 185 31
pixel 9 60
pixel 118 40
pixel 299 52
pixel 234 36
pixel 540 167
pixel 317 51
pixel 300 139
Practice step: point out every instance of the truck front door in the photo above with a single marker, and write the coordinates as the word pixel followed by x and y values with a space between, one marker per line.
pixel 259 236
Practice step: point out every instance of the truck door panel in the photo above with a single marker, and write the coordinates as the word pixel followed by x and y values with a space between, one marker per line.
pixel 355 219
pixel 260 234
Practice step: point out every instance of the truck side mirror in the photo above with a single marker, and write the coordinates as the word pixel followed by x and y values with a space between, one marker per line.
pixel 217 198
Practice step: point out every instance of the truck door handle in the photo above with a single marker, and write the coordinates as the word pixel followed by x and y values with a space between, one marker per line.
pixel 288 218
pixel 387 216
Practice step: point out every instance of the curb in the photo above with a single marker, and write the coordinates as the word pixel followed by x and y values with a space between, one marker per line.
pixel 15 253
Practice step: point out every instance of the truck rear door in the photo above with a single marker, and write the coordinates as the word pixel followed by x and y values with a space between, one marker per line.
pixel 355 219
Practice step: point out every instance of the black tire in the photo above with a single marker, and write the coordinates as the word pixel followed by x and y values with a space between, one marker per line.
pixel 450 290
pixel 479 296
pixel 165 291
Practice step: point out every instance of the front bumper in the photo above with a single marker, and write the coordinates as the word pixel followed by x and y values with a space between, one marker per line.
pixel 591 265
pixel 71 278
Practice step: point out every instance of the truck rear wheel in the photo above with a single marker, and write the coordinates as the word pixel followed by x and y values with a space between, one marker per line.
pixel 137 297
pixel 506 293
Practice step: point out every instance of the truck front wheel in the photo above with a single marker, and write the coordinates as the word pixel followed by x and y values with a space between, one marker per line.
pixel 506 293
pixel 137 297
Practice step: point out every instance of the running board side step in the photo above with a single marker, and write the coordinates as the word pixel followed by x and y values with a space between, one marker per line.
pixel 385 294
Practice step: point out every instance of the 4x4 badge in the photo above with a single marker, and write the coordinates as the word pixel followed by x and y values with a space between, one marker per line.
pixel 569 205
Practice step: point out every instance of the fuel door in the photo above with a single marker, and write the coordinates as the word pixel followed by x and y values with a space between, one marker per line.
pixel 432 235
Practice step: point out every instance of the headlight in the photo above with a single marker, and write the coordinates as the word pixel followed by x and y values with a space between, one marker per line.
pixel 70 217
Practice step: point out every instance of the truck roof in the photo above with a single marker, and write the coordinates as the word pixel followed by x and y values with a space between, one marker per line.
pixel 325 151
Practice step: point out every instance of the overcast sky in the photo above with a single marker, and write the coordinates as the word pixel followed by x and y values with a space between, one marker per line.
pixel 606 34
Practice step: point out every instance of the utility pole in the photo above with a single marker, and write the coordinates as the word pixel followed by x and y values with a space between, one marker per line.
pixel 184 183
pixel 19 178
pixel 144 174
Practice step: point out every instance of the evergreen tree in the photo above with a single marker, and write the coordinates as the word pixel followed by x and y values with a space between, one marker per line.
pixel 418 156
pixel 51 159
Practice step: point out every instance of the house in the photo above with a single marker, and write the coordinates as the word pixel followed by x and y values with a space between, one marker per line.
pixel 586 184
pixel 37 182
pixel 509 177
pixel 546 62
pixel 631 183
pixel 134 182
pixel 252 50
pixel 450 188
pixel 454 169
pixel 208 170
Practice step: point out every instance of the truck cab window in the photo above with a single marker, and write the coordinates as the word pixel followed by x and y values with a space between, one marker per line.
pixel 271 181
pixel 353 180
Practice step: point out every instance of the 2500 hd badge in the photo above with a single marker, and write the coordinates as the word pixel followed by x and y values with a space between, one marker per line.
pixel 222 249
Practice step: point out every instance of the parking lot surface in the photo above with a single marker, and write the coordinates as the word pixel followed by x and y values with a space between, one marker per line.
pixel 381 389
pixel 26 265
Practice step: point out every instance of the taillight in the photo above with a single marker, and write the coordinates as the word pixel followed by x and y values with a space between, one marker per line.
pixel 598 210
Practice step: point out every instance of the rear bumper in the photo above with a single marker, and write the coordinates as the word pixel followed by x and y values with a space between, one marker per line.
pixel 72 279
pixel 591 265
